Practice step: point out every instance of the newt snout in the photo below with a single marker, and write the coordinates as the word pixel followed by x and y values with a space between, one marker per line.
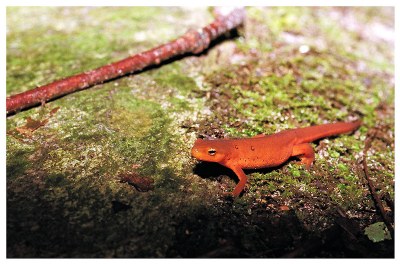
pixel 195 151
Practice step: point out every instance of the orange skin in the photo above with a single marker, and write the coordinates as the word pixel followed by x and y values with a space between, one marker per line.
pixel 263 151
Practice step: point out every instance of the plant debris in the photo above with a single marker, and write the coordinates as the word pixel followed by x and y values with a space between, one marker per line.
pixel 142 184
pixel 377 232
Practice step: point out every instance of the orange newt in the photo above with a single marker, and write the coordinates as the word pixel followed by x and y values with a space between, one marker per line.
pixel 264 151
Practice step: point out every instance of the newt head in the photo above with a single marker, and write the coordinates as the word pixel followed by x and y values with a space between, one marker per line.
pixel 209 150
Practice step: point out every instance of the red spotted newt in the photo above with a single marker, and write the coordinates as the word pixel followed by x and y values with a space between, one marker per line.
pixel 263 151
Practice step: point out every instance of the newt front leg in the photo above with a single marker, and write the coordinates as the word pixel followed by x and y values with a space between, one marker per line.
pixel 242 181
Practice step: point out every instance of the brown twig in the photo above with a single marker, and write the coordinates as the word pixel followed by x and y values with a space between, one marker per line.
pixel 193 42
pixel 376 198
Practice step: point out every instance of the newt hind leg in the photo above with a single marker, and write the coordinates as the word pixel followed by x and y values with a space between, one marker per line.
pixel 305 152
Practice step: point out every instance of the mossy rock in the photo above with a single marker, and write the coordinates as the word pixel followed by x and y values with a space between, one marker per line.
pixel 287 67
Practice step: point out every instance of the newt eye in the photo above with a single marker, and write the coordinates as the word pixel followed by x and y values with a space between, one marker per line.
pixel 212 152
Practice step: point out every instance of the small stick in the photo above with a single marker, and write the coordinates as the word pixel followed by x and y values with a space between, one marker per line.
pixel 376 198
pixel 192 42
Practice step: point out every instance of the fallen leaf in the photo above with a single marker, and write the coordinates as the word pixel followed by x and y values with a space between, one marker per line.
pixel 142 184
pixel 377 232
pixel 32 124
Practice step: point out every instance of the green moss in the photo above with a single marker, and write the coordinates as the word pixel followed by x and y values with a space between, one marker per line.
pixel 56 180
pixel 18 159
pixel 176 81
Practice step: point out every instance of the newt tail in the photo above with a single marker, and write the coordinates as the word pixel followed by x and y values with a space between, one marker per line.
pixel 312 133
pixel 264 151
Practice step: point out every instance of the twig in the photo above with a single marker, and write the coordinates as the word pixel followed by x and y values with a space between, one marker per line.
pixel 193 42
pixel 376 198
